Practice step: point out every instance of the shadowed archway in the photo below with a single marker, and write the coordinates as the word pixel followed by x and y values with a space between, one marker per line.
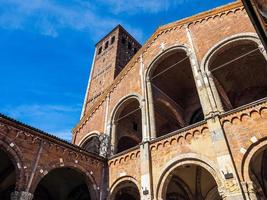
pixel 190 182
pixel 170 79
pixel 258 173
pixel 7 176
pixel 238 69
pixel 126 190
pixel 127 125
pixel 64 184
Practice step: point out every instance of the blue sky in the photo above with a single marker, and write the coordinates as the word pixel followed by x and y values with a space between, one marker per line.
pixel 47 48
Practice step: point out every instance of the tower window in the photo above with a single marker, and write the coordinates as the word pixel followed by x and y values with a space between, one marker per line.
pixel 100 50
pixel 129 45
pixel 135 50
pixel 106 44
pixel 112 39
pixel 123 40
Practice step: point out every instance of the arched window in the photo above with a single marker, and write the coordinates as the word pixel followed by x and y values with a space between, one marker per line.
pixel 129 45
pixel 239 70
pixel 92 144
pixel 112 39
pixel 106 44
pixel 100 50
pixel 127 125
pixel 171 79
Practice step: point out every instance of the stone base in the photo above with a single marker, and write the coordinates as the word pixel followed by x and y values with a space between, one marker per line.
pixel 21 195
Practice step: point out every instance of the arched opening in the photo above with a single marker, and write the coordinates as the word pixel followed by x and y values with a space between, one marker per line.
pixel 92 144
pixel 126 143
pixel 127 125
pixel 7 176
pixel 63 184
pixel 189 182
pixel 239 72
pixel 171 80
pixel 258 173
pixel 126 190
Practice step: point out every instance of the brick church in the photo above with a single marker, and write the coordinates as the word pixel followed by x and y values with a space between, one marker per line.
pixel 182 117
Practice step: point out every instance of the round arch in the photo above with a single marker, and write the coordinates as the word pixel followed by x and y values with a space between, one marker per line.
pixel 183 160
pixel 229 74
pixel 121 102
pixel 162 54
pixel 87 136
pixel 91 142
pixel 253 168
pixel 119 184
pixel 233 38
pixel 15 155
pixel 75 174
pixel 171 76
pixel 126 120
pixel 252 150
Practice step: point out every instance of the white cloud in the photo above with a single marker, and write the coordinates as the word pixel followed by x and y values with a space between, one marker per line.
pixel 137 6
pixel 48 17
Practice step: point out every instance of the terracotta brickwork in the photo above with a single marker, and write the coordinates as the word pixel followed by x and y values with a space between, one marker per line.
pixel 36 154
pixel 215 144
pixel 245 129
pixel 218 144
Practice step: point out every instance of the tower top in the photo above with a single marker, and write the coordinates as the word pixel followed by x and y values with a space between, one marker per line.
pixel 112 53
pixel 120 29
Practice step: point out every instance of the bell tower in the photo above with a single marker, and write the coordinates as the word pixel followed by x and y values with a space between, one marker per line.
pixel 112 53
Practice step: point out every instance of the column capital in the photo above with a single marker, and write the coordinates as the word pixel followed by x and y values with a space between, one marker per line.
pixel 21 195
pixel 262 49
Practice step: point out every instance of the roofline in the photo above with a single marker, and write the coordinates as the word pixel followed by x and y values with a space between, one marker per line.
pixel 46 135
pixel 117 27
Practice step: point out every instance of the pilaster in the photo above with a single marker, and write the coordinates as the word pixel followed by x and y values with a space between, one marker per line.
pixel 146 172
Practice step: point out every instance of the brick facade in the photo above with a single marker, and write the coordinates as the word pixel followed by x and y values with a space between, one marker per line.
pixel 195 91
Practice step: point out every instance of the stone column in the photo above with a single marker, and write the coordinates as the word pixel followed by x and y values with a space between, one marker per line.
pixel 113 140
pixel 21 195
pixel 263 50
pixel 146 172
pixel 145 132
pixel 213 93
pixel 249 190
pixel 200 86
pixel 151 111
